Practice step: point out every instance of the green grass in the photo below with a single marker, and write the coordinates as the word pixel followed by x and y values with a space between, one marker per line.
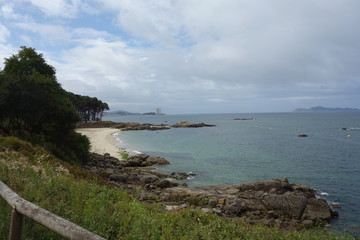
pixel 113 214
pixel 124 155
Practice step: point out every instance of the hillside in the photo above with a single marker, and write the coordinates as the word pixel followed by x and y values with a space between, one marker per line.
pixel 326 109
pixel 90 202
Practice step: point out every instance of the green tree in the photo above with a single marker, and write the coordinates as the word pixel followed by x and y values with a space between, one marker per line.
pixel 35 107
pixel 88 108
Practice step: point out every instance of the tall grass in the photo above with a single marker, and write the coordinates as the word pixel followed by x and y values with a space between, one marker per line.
pixel 111 213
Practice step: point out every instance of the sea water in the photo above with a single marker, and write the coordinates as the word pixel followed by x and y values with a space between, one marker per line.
pixel 269 146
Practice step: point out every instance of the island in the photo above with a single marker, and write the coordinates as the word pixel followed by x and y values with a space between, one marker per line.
pixel 326 109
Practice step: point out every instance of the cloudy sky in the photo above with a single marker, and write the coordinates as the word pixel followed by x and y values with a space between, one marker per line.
pixel 195 56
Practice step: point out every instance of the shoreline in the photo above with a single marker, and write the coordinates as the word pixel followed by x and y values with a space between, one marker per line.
pixel 102 140
pixel 274 202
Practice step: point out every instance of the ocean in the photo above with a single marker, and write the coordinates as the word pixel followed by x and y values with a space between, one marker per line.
pixel 236 151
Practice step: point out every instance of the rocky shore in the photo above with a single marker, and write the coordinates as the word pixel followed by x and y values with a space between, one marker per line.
pixel 132 126
pixel 275 202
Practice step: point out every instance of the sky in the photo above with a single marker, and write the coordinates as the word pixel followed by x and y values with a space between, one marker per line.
pixel 195 56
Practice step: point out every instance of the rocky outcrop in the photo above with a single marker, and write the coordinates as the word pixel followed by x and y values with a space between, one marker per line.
pixel 134 126
pixel 244 118
pixel 186 124
pixel 275 202
pixel 144 160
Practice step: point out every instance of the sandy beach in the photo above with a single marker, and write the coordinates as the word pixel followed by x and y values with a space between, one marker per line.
pixel 102 140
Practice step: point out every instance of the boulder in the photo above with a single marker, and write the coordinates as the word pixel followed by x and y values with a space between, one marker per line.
pixel 148 178
pixel 118 177
pixel 186 124
pixel 156 160
pixel 291 205
pixel 164 183
pixel 265 185
pixel 317 210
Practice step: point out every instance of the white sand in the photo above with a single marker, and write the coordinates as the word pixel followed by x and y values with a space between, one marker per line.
pixel 102 140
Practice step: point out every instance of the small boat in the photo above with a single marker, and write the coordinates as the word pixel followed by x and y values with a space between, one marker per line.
pixel 302 135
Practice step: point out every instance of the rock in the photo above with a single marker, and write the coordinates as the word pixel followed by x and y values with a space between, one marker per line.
pixel 300 187
pixel 133 163
pixel 148 178
pixel 172 208
pixel 335 205
pixel 186 124
pixel 157 160
pixel 221 201
pixel 166 184
pixel 244 118
pixel 307 223
pixel 118 177
pixel 265 186
pixel 317 210
pixel 138 157
pixel 291 206
pixel 274 202
pixel 212 202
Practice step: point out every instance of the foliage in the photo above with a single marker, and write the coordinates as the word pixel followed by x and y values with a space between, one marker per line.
pixel 124 155
pixel 35 107
pixel 109 212
pixel 88 108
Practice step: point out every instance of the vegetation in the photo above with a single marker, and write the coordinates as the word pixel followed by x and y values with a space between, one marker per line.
pixel 113 214
pixel 34 107
pixel 88 108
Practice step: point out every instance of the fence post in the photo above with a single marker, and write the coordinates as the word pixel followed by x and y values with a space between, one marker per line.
pixel 16 225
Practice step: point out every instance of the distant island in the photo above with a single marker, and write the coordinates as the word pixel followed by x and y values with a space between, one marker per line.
pixel 119 112
pixel 326 109
pixel 126 113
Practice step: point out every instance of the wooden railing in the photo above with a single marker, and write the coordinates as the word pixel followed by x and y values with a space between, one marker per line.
pixel 23 208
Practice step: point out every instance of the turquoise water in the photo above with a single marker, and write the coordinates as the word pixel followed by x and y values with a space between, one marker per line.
pixel 268 147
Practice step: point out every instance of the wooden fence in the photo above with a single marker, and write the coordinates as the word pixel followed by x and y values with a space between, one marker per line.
pixel 23 208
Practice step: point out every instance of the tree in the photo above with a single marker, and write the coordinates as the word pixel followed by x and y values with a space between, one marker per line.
pixel 88 108
pixel 35 107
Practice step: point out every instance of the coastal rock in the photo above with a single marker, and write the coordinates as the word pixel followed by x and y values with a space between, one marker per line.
pixel 149 178
pixel 275 202
pixel 287 205
pixel 186 124
pixel 157 160
pixel 266 185
pixel 144 160
pixel 317 210
pixel 164 183
pixel 244 119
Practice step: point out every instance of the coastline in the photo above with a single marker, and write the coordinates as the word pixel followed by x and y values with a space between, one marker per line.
pixel 274 202
pixel 102 140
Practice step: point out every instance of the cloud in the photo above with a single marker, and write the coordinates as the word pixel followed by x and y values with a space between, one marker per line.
pixel 57 8
pixel 4 33
pixel 182 54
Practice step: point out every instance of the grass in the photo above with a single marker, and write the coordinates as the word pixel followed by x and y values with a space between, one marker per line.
pixel 113 214
pixel 124 155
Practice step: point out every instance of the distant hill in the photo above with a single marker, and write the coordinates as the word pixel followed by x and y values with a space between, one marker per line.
pixel 120 112
pixel 326 109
